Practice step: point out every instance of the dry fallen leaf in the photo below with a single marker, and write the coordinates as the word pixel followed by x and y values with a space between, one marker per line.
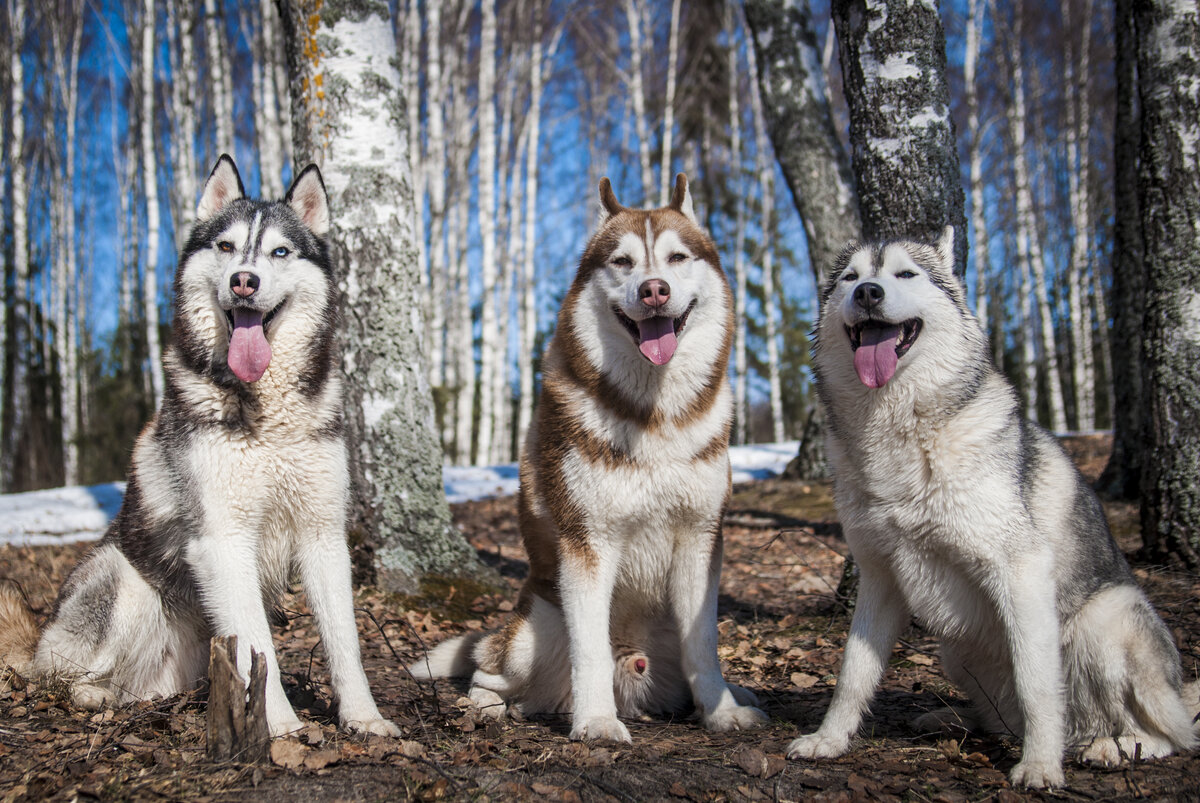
pixel 803 680
pixel 288 753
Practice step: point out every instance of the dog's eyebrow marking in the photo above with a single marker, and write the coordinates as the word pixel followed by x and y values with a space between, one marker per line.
pixel 649 244
pixel 254 238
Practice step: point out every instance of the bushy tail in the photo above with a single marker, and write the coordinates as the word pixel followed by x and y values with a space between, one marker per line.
pixel 18 630
pixel 450 659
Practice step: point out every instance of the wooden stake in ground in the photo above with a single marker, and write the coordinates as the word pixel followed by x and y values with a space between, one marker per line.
pixel 237 714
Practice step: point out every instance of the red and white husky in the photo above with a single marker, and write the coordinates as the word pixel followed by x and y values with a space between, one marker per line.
pixel 624 480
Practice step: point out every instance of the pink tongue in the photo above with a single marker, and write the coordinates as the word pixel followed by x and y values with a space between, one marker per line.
pixel 875 360
pixel 657 339
pixel 249 351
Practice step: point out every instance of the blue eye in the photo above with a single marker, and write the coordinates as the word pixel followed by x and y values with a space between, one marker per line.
pixel 280 252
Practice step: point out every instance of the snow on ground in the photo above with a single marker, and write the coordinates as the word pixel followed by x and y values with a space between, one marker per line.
pixel 66 515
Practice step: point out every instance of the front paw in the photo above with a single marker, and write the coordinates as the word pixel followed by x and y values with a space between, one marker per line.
pixel 285 726
pixel 735 718
pixel 1037 774
pixel 379 727
pixel 819 745
pixel 601 728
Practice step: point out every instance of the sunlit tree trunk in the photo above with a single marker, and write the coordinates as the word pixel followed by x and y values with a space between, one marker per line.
pixel 1169 75
pixel 399 505
pixel 436 161
pixel 977 11
pixel 218 80
pixel 795 98
pixel 1029 246
pixel 905 157
pixel 15 395
pixel 665 175
pixel 740 367
pixel 268 123
pixel 150 182
pixel 488 324
pixel 765 165
pixel 637 93
pixel 181 25
pixel 1078 136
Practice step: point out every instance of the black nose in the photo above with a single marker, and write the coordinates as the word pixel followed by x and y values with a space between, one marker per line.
pixel 244 283
pixel 868 295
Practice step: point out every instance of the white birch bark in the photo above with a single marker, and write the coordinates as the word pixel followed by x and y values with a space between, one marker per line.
pixel 741 371
pixel 362 145
pixel 66 67
pixel 411 79
pixel 976 17
pixel 488 325
pixel 765 165
pixel 637 92
pixel 150 182
pixel 268 122
pixel 20 205
pixel 527 313
pixel 1029 247
pixel 665 173
pixel 218 80
pixel 463 351
pixel 181 25
pixel 436 161
pixel 1078 135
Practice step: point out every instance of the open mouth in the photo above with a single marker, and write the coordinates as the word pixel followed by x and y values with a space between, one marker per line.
pixel 249 351
pixel 657 336
pixel 878 347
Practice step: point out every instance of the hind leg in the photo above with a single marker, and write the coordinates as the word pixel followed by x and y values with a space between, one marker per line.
pixel 1124 681
pixel 526 664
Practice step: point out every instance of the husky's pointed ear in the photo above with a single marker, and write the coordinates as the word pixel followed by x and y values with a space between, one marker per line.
pixel 223 185
pixel 309 201
pixel 609 205
pixel 681 198
pixel 945 248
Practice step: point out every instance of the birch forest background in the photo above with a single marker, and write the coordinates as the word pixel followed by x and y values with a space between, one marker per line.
pixel 114 112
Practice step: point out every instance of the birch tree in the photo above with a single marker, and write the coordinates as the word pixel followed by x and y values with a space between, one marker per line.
pixel 489 334
pixel 977 11
pixel 150 186
pixel 13 393
pixel 740 281
pixel 1078 135
pixel 436 160
pixel 1122 476
pixel 181 26
pixel 665 172
pixel 905 158
pixel 1029 242
pixel 799 119
pixel 361 143
pixel 637 92
pixel 1169 75
pixel 218 77
pixel 766 181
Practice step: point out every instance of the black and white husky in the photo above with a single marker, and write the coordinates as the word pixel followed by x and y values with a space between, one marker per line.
pixel 963 514
pixel 240 479
pixel 624 480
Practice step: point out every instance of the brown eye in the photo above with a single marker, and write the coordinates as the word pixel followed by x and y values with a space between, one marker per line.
pixel 623 261
pixel 906 274
pixel 225 247
pixel 850 277
pixel 677 258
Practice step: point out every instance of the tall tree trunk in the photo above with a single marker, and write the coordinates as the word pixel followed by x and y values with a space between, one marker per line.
pixel 1122 475
pixel 463 350
pixel 665 175
pixel 637 93
pixel 436 160
pixel 1029 245
pixel 399 505
pixel 181 19
pixel 14 393
pixel 1169 77
pixel 218 78
pixel 766 182
pixel 150 182
pixel 905 157
pixel 801 125
pixel 488 324
pixel 976 17
pixel 741 285
pixel 268 122
pixel 1078 136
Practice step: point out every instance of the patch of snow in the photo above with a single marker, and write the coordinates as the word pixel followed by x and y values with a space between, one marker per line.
pixel 68 515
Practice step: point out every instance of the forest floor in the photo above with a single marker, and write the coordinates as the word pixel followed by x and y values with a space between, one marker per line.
pixel 782 631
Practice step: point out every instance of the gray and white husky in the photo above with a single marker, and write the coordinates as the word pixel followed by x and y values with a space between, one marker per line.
pixel 624 481
pixel 973 520
pixel 239 480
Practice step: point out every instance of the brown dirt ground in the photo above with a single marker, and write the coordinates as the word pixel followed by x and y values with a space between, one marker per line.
pixel 782 633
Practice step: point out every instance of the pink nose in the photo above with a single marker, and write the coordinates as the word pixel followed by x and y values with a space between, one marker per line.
pixel 654 293
pixel 243 284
